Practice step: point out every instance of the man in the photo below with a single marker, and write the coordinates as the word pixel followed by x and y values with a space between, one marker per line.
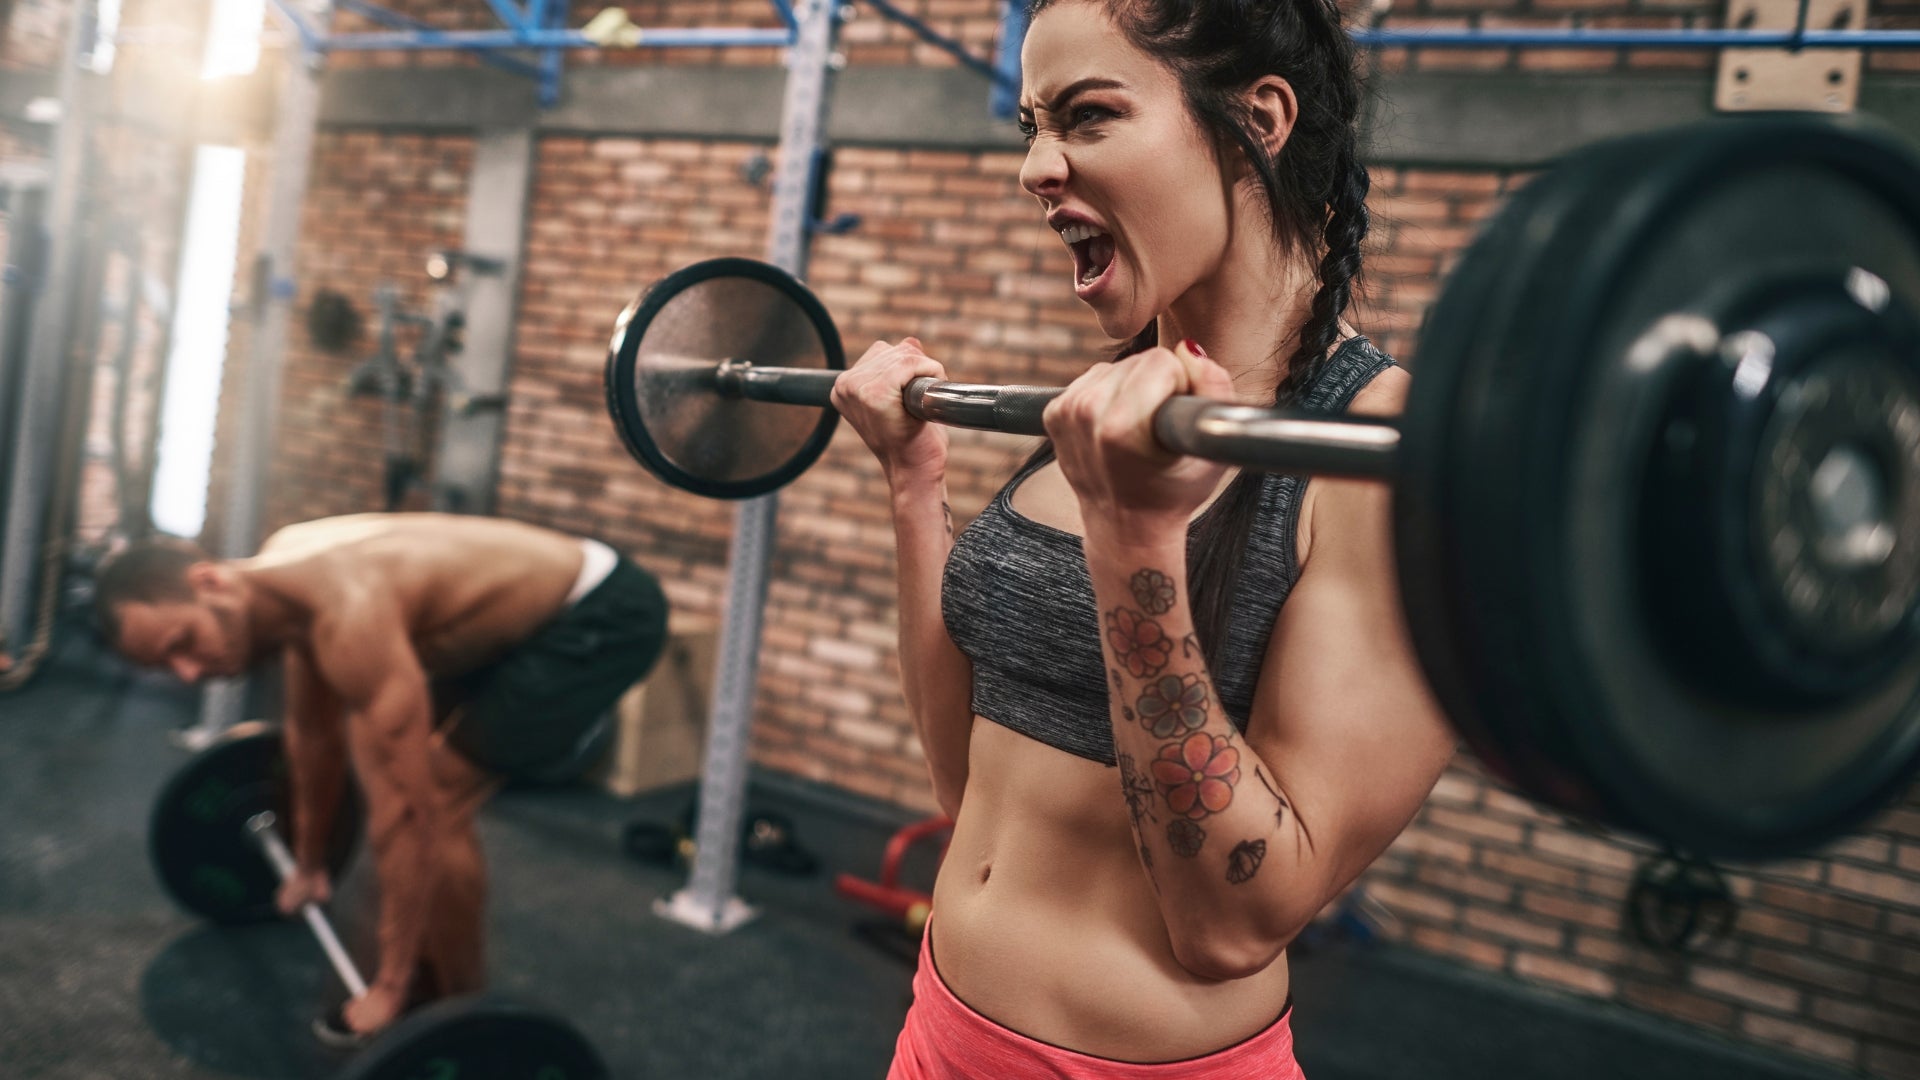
pixel 434 655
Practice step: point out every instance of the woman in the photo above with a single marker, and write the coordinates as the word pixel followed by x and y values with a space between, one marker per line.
pixel 1158 772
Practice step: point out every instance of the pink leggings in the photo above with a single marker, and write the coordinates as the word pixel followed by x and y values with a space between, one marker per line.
pixel 946 1040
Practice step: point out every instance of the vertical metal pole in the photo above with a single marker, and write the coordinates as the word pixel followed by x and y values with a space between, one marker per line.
pixel 24 268
pixel 467 464
pixel 708 902
pixel 223 703
pixel 49 342
pixel 1004 99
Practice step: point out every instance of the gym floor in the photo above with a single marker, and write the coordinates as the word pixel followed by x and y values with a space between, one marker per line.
pixel 101 977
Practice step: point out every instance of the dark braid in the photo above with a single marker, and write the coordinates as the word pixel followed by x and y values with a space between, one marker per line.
pixel 1316 198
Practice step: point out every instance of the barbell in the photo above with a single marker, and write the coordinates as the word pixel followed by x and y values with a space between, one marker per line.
pixel 218 850
pixel 1657 483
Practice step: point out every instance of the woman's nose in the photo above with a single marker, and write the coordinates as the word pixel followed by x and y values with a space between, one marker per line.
pixel 1044 172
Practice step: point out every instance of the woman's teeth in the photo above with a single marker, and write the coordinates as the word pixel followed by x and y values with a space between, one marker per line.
pixel 1073 234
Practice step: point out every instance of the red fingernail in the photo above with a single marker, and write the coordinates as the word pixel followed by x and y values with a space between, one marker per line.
pixel 1194 347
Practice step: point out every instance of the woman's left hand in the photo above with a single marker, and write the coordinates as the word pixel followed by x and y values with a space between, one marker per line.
pixel 1102 431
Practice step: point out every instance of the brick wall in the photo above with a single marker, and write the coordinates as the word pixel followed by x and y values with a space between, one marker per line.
pixel 945 249
pixel 377 205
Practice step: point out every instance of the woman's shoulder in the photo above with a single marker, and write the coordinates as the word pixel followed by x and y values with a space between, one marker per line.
pixel 1383 395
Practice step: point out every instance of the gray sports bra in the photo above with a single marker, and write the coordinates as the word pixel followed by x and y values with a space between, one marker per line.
pixel 1018 602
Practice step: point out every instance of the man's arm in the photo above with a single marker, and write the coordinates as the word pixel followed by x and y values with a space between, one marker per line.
pixel 363 652
pixel 316 758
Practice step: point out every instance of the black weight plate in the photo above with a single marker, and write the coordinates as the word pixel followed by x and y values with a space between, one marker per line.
pixel 479 1038
pixel 661 391
pixel 1435 539
pixel 196 837
pixel 1573 385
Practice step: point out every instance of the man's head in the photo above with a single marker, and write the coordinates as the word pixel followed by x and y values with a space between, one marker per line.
pixel 165 603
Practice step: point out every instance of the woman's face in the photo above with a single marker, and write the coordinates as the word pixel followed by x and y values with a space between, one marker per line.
pixel 1125 176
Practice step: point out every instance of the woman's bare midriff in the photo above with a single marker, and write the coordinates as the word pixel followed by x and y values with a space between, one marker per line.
pixel 1045 922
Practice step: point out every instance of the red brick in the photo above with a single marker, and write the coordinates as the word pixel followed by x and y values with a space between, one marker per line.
pixel 1513 927
pixel 1879 885
pixel 1749 989
pixel 1681 1004
pixel 1477 951
pixel 1565 974
pixel 1802 1037
pixel 1554 905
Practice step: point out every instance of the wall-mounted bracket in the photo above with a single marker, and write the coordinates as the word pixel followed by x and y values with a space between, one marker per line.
pixel 1803 79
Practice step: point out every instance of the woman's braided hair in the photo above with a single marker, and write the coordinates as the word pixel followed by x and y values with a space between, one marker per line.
pixel 1316 198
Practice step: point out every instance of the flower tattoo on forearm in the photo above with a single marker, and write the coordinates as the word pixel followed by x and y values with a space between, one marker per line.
pixel 1138 643
pixel 1174 705
pixel 1153 591
pixel 1185 837
pixel 1196 775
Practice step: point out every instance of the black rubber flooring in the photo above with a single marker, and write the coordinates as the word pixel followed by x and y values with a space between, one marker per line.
pixel 101 977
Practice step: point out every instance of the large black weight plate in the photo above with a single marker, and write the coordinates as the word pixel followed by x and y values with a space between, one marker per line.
pixel 661 391
pixel 1524 461
pixel 196 837
pixel 478 1039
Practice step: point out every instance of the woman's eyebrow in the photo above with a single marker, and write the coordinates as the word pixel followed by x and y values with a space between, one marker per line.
pixel 1091 82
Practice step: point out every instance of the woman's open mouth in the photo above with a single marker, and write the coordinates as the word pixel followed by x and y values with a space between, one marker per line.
pixel 1092 257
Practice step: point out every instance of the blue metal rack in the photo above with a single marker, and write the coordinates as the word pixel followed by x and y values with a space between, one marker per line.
pixel 536 26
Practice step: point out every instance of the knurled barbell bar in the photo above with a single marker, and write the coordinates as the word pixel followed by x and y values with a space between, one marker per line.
pixel 1657 484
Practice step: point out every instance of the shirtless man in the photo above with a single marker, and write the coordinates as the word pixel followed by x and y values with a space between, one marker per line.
pixel 436 656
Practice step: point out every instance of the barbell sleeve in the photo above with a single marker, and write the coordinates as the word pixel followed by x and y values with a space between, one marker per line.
pixel 260 831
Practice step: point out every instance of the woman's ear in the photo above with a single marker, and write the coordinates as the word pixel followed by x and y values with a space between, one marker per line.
pixel 1272 108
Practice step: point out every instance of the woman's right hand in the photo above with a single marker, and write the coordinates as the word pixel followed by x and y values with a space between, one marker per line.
pixel 871 395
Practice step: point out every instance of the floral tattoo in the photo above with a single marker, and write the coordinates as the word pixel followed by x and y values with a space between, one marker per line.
pixel 1196 775
pixel 1244 861
pixel 1138 643
pixel 1153 591
pixel 1185 837
pixel 1174 705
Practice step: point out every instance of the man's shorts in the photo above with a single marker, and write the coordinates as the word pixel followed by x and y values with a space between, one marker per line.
pixel 529 710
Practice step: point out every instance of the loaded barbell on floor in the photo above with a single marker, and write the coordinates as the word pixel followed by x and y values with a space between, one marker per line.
pixel 1657 484
pixel 216 847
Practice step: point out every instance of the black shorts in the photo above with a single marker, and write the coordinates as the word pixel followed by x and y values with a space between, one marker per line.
pixel 531 708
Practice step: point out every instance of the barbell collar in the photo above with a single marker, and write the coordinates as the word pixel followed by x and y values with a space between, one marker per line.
pixel 782 386
pixel 260 831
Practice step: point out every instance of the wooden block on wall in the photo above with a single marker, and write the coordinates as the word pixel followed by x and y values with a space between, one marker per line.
pixel 661 723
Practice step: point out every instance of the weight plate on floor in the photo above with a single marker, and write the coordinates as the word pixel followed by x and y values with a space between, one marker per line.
pixel 1539 466
pixel 196 837
pixel 663 396
pixel 479 1038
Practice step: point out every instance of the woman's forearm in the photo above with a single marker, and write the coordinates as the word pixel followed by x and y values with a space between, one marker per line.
pixel 935 676
pixel 1216 834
